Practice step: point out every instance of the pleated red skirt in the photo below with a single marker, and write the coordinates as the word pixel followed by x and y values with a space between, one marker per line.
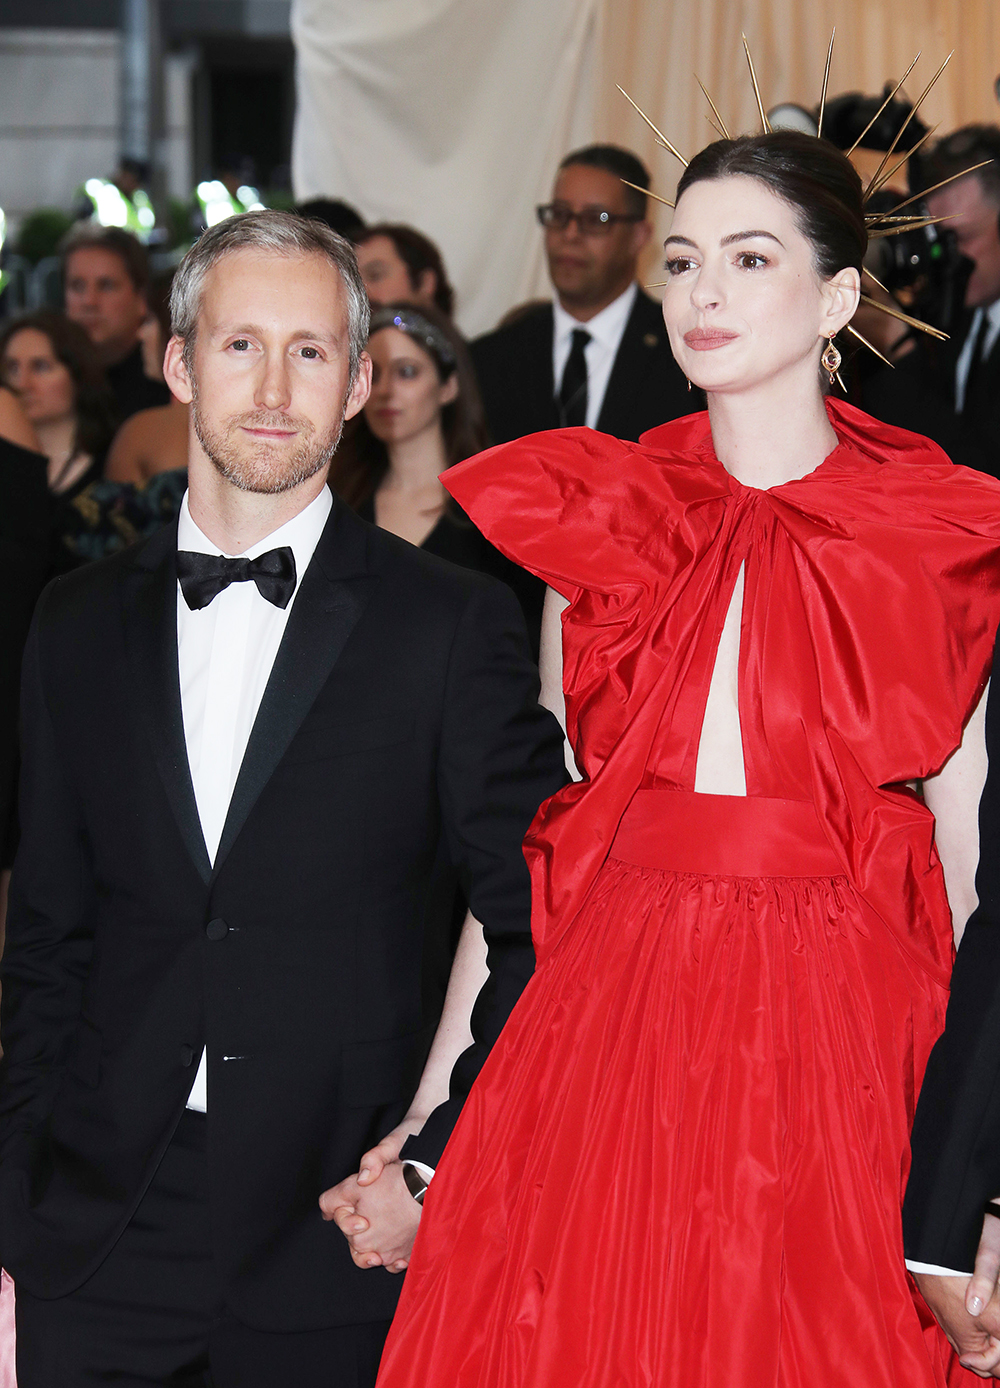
pixel 683 1163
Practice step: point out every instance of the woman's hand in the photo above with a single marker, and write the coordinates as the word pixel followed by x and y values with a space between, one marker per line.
pixel 373 1163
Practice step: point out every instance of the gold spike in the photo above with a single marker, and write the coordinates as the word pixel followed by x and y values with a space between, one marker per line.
pixel 885 103
pixel 660 284
pixel 874 279
pixel 840 382
pixel 666 201
pixel 874 187
pixel 875 232
pixel 904 318
pixel 916 107
pixel 876 219
pixel 934 187
pixel 717 128
pixel 658 133
pixel 756 89
pixel 715 110
pixel 826 83
pixel 864 341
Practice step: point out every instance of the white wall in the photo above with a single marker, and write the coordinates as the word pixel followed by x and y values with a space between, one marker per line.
pixel 59 114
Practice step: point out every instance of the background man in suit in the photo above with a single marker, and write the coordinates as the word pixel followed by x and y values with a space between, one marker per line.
pixel 106 271
pixel 970 362
pixel 599 355
pixel 257 747
pixel 951 1223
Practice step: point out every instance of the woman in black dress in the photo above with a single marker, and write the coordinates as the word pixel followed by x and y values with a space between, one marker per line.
pixel 423 415
pixel 50 364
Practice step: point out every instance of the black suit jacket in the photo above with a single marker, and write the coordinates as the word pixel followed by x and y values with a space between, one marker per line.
pixel 646 386
pixel 979 444
pixel 925 390
pixel 399 739
pixel 25 559
pixel 956 1134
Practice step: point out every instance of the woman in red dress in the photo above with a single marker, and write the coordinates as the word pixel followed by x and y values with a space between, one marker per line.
pixel 682 1166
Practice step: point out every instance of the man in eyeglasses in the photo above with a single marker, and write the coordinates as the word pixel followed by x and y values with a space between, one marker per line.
pixel 598 355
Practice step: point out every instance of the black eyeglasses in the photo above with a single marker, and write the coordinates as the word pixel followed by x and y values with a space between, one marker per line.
pixel 592 221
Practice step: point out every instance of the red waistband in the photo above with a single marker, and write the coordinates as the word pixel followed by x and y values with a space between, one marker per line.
pixel 724 835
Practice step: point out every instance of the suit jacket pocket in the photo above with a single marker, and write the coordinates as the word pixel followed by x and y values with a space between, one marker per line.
pixel 383 1072
pixel 85 1059
pixel 341 739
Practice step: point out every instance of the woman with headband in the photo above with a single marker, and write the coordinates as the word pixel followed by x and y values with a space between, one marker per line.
pixel 423 415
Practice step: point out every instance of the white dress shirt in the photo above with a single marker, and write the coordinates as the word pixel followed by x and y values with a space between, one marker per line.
pixel 225 654
pixel 606 331
pixel 992 312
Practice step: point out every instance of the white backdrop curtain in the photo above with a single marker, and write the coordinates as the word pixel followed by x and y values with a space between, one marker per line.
pixel 453 114
pixel 450 115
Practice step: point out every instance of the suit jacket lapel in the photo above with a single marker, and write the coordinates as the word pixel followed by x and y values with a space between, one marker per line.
pixel 628 379
pixel 332 596
pixel 151 640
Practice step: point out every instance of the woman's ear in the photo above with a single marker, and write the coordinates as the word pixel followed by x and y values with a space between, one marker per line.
pixel 449 389
pixel 843 294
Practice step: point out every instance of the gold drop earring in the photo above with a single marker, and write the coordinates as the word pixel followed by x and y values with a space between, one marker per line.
pixel 831 360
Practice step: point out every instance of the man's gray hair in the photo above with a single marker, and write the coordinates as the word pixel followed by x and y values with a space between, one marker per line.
pixel 284 234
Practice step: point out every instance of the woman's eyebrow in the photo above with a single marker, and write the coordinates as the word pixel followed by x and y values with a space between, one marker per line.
pixel 747 236
pixel 729 240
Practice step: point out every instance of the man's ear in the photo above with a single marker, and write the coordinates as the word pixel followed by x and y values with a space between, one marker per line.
pixel 427 284
pixel 843 293
pixel 641 232
pixel 175 371
pixel 361 389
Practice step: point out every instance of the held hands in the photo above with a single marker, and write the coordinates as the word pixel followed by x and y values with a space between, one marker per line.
pixel 374 1210
pixel 968 1309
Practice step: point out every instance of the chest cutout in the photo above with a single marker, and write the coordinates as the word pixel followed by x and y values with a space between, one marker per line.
pixel 720 768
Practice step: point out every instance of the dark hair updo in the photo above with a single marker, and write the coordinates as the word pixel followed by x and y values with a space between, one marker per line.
pixel 819 183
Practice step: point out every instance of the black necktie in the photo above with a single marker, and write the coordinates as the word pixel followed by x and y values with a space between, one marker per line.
pixel 203 576
pixel 573 388
pixel 975 380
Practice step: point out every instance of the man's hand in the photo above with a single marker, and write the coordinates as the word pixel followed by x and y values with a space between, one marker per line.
pixel 977 1348
pixel 379 1218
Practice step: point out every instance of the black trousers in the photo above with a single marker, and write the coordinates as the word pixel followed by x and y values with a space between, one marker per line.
pixel 153 1314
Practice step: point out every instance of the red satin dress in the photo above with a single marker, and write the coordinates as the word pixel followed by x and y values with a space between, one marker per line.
pixel 683 1163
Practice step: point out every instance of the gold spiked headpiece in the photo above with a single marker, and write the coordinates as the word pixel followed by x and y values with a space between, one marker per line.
pixel 878 223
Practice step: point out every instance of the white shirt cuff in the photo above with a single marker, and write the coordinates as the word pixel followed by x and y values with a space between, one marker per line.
pixel 426 1171
pixel 934 1270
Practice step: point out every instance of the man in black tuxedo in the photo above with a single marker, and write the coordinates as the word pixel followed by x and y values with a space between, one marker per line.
pixel 949 1230
pixel 249 782
pixel 599 355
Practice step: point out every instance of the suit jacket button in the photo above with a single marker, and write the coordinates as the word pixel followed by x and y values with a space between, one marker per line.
pixel 187 1055
pixel 217 929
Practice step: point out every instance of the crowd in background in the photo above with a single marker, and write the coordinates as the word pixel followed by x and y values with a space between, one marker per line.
pixel 93 446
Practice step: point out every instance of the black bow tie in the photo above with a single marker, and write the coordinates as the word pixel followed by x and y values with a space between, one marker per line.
pixel 203 576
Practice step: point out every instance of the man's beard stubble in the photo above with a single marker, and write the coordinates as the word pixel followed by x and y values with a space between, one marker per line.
pixel 254 467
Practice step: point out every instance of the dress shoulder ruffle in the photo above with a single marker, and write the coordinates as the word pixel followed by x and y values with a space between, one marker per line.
pixel 585 511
